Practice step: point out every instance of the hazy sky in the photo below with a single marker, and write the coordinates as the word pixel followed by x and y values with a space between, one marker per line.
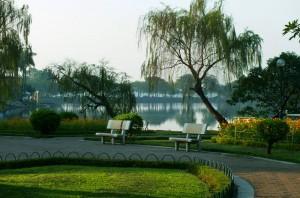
pixel 90 30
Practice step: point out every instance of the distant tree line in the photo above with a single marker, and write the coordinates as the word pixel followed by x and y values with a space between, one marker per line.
pixel 178 88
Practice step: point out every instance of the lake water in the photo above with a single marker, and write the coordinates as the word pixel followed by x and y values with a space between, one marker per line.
pixel 172 116
pixel 160 116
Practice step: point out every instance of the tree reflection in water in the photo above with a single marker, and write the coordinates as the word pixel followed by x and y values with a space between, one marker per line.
pixel 160 116
pixel 172 116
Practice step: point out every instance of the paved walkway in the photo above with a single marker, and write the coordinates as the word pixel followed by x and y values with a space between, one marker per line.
pixel 268 177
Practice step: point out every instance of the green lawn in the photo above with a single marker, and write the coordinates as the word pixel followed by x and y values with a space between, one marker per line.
pixel 87 181
pixel 207 145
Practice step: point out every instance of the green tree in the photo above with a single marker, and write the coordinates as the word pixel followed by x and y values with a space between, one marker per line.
pixel 14 31
pixel 98 84
pixel 41 80
pixel 196 41
pixel 261 87
pixel 272 130
pixel 293 28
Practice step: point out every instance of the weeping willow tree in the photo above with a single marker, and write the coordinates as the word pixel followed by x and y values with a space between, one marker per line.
pixel 14 31
pixel 99 85
pixel 196 41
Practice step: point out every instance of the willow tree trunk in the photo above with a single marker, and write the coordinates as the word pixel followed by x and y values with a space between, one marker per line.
pixel 198 89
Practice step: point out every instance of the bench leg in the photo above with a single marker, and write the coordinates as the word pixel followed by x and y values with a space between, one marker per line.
pixel 198 146
pixel 176 146
pixel 187 146
pixel 102 140
pixel 112 140
pixel 123 140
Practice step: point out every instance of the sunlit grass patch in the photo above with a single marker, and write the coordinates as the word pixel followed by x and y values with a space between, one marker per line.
pixel 78 181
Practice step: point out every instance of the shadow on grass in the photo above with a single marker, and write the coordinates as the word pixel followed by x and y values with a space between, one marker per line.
pixel 11 191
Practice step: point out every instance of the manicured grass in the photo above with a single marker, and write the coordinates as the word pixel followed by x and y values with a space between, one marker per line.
pixel 207 145
pixel 78 181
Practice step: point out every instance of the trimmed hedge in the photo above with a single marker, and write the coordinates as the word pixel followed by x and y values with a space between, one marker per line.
pixel 254 143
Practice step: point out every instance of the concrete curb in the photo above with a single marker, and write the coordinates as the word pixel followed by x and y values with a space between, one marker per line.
pixel 245 189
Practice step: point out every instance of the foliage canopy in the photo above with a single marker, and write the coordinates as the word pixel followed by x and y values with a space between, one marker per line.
pixel 14 31
pixel 261 87
pixel 97 85
pixel 293 28
pixel 196 41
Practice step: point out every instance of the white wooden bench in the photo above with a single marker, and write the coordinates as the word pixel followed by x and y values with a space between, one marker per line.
pixel 190 130
pixel 114 125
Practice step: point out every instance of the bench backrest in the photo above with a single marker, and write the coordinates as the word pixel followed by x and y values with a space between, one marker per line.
pixel 197 129
pixel 122 125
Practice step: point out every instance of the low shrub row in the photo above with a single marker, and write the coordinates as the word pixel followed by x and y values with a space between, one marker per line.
pixel 254 143
pixel 22 126
pixel 268 130
pixel 46 122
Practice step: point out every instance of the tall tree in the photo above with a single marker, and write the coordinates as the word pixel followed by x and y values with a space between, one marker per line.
pixel 98 84
pixel 14 31
pixel 196 41
pixel 262 88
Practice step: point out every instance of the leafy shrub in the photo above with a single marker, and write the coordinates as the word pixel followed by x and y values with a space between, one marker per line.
pixel 68 116
pixel 227 130
pixel 272 130
pixel 240 128
pixel 45 121
pixel 136 125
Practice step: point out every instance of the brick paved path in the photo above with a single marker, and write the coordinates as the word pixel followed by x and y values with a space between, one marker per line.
pixel 269 178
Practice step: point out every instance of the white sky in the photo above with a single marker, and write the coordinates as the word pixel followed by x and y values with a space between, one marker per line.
pixel 90 30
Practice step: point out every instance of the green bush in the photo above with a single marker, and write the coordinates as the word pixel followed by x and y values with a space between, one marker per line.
pixel 136 125
pixel 272 130
pixel 227 130
pixel 68 116
pixel 45 121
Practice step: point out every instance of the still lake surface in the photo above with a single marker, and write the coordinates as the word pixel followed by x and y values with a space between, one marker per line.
pixel 160 116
